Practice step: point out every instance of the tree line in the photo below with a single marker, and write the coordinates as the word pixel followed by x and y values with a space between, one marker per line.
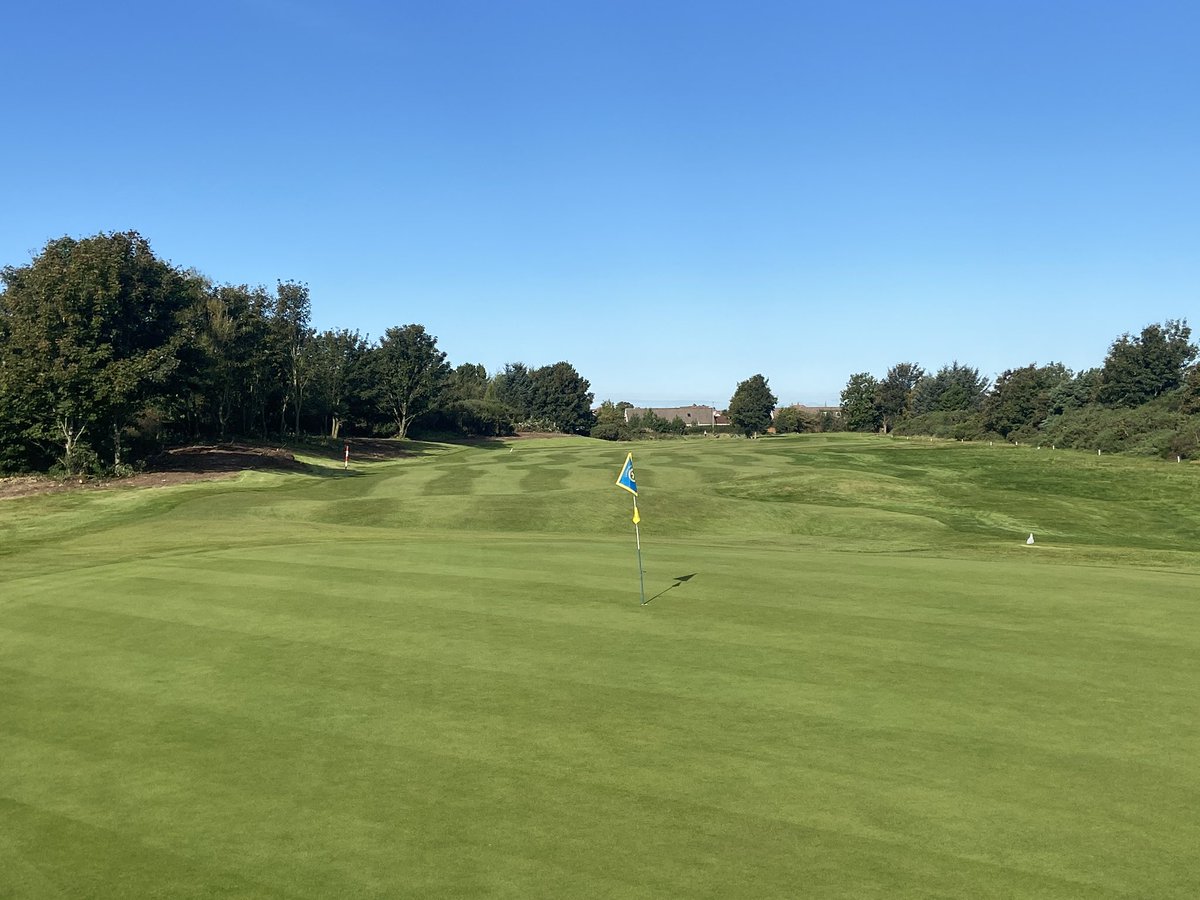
pixel 109 354
pixel 1144 398
pixel 751 412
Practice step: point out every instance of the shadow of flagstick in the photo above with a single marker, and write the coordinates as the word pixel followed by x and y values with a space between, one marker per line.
pixel 679 579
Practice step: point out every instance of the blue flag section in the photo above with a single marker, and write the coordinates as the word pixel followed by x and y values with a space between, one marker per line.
pixel 627 480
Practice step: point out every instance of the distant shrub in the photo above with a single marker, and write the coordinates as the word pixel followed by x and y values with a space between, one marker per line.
pixel 82 461
pixel 483 418
pixel 1153 429
pixel 610 431
pixel 1185 444
pixel 544 426
pixel 969 429
pixel 1026 434
pixel 962 425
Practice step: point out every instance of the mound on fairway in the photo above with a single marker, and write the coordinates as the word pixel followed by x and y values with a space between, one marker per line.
pixel 431 676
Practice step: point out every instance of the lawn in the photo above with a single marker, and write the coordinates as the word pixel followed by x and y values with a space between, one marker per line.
pixel 432 677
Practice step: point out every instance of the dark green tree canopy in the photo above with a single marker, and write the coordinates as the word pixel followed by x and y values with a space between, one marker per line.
pixel 514 388
pixel 336 359
pixel 92 332
pixel 1138 369
pixel 610 422
pixel 1021 398
pixel 408 373
pixel 859 409
pixel 751 406
pixel 290 334
pixel 894 399
pixel 1075 392
pixel 107 352
pixel 468 381
pixel 561 398
pixel 789 420
pixel 951 389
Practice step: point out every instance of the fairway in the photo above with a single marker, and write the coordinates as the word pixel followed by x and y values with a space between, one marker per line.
pixel 431 677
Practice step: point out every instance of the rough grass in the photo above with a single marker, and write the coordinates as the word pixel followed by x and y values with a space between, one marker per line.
pixel 431 677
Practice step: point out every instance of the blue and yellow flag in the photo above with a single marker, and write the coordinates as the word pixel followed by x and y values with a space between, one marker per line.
pixel 626 480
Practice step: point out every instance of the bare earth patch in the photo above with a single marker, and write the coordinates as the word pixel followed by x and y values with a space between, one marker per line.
pixel 209 462
pixel 374 449
pixel 179 466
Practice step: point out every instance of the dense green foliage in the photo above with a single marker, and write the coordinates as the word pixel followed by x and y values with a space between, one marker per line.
pixel 92 333
pixel 549 398
pixel 790 420
pixel 894 395
pixel 108 354
pixel 860 409
pixel 408 373
pixel 1145 399
pixel 562 400
pixel 751 406
pixel 1139 369
pixel 951 389
pixel 610 422
pixel 431 677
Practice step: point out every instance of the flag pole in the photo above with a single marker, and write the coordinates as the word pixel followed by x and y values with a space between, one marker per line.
pixel 637 536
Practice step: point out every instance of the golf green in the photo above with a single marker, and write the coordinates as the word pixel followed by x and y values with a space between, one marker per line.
pixel 433 677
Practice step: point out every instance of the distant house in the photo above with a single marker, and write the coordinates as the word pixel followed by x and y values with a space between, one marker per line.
pixel 695 416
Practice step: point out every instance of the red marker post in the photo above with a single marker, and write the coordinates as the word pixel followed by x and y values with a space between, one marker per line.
pixel 347 463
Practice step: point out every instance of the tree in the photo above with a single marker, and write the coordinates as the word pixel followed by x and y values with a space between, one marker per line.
pixel 610 422
pixel 483 418
pixel 1189 393
pixel 827 422
pixel 895 393
pixel 514 388
pixel 611 413
pixel 290 334
pixel 409 372
pixel 859 411
pixel 1138 369
pixel 335 359
pixel 228 329
pixel 789 420
pixel 91 335
pixel 468 381
pixel 1075 392
pixel 953 388
pixel 561 398
pixel 751 405
pixel 1021 398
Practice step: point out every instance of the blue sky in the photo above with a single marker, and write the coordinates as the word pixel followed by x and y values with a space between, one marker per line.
pixel 672 196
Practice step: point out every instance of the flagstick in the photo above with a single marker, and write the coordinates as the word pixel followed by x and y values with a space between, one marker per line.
pixel 637 534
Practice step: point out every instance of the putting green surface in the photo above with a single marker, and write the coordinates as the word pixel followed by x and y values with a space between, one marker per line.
pixel 432 677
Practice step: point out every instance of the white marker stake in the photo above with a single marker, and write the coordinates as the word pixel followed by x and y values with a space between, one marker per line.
pixel 1030 541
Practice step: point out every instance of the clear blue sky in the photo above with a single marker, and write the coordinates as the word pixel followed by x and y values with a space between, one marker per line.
pixel 672 196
